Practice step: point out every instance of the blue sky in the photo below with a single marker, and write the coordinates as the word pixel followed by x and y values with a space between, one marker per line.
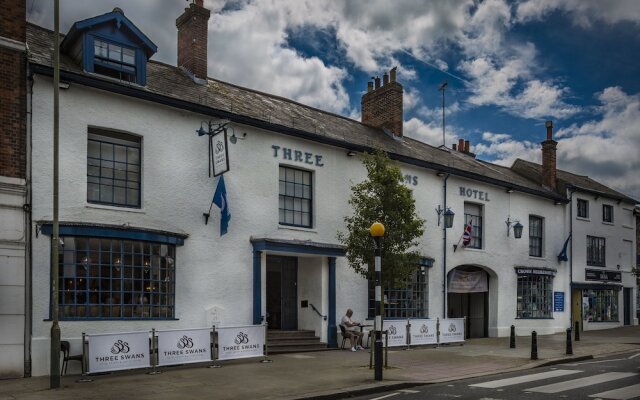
pixel 510 65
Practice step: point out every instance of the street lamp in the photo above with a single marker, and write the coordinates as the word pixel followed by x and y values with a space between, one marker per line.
pixel 448 216
pixel 377 231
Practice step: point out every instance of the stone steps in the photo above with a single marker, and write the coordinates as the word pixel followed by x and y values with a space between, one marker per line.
pixel 280 342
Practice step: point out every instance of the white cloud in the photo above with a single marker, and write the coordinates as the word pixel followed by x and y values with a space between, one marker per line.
pixel 585 13
pixel 504 150
pixel 429 132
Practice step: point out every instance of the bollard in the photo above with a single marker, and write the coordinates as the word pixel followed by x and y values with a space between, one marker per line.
pixel 512 340
pixel 569 347
pixel 534 345
pixel 577 334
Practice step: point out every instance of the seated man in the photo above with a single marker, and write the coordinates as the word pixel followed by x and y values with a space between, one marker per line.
pixel 350 329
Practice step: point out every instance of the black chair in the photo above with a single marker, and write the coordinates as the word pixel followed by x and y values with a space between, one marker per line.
pixel 344 336
pixel 64 348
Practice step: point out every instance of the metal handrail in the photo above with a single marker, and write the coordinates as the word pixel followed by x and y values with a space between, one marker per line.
pixel 318 312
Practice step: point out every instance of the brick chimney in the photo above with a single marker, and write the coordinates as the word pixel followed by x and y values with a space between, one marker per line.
pixel 549 158
pixel 382 105
pixel 192 39
pixel 464 147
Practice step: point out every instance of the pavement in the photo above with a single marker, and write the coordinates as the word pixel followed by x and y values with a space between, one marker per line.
pixel 331 374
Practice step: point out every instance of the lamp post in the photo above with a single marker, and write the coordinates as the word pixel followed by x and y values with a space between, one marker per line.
pixel 377 231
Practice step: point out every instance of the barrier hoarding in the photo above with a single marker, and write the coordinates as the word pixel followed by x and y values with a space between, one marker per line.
pixel 241 342
pixel 396 332
pixel 184 346
pixel 451 330
pixel 423 331
pixel 118 351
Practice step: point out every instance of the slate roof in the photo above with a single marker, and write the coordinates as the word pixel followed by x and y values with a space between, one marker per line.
pixel 170 85
pixel 567 180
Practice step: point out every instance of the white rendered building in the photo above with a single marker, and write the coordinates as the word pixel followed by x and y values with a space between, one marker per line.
pixel 137 252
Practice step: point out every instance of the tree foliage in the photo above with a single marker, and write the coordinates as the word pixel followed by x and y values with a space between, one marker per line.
pixel 383 198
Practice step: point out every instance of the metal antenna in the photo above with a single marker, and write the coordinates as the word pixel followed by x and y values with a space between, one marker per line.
pixel 442 88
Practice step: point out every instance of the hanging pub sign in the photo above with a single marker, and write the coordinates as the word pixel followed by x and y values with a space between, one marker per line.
pixel 599 275
pixel 118 351
pixel 184 346
pixel 220 152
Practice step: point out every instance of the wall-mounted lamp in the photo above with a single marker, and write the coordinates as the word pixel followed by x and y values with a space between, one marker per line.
pixel 517 227
pixel 448 216
pixel 351 153
pixel 509 190
pixel 234 139
pixel 64 85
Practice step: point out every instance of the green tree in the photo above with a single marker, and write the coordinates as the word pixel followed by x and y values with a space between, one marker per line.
pixel 383 198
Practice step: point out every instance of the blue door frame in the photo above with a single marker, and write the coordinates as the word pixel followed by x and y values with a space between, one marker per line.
pixel 299 247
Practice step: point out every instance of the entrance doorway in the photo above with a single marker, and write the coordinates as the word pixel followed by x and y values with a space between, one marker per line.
pixel 576 307
pixel 468 297
pixel 282 292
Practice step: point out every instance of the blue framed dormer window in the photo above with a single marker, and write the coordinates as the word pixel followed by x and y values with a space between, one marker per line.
pixel 113 60
pixel 110 45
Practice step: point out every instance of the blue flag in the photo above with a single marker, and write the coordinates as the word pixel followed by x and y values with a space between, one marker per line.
pixel 220 200
pixel 563 254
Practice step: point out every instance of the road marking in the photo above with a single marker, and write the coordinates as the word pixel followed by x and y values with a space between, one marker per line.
pixel 624 393
pixel 525 378
pixel 385 396
pixel 595 362
pixel 408 391
pixel 582 382
pixel 634 356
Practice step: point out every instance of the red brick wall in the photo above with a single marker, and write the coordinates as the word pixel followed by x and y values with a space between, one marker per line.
pixel 549 172
pixel 192 39
pixel 382 108
pixel 12 91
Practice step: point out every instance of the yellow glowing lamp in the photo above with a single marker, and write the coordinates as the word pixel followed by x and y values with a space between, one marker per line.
pixel 377 229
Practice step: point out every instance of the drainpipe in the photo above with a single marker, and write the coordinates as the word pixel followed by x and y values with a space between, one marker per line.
pixel 571 191
pixel 28 288
pixel 444 252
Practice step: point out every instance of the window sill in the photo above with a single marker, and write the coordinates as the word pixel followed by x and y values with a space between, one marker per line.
pixel 541 258
pixel 474 249
pixel 608 223
pixel 111 319
pixel 114 208
pixel 617 321
pixel 535 318
pixel 627 226
pixel 297 228
pixel 583 219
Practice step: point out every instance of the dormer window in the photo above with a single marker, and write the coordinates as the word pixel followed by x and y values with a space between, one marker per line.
pixel 114 60
pixel 110 45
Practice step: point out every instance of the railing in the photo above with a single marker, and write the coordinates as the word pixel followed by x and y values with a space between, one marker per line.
pixel 324 317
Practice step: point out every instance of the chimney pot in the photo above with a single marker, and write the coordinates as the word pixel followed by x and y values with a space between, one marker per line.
pixel 461 145
pixel 467 146
pixel 549 125
pixel 377 82
pixel 454 146
pixel 385 79
pixel 549 172
pixel 392 74
pixel 200 3
pixel 369 87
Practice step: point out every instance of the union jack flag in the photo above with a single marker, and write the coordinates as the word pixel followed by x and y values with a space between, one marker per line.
pixel 466 236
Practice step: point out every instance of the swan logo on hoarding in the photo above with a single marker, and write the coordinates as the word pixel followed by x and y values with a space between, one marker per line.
pixel 242 338
pixel 392 330
pixel 185 342
pixel 120 347
pixel 424 329
pixel 452 328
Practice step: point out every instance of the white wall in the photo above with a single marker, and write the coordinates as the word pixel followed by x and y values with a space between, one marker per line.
pixel 12 276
